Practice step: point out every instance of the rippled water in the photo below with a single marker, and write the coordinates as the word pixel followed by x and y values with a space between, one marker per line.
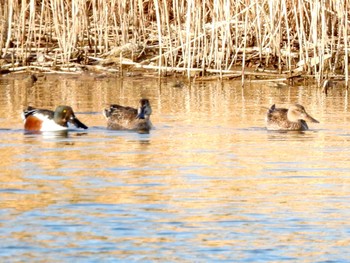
pixel 208 184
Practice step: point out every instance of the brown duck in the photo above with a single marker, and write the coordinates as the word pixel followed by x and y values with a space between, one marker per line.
pixel 292 119
pixel 128 118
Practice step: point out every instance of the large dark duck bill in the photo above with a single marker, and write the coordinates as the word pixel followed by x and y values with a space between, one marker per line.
pixel 141 112
pixel 310 119
pixel 77 123
pixel 140 115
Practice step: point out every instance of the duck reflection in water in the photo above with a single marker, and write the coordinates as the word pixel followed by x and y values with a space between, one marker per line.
pixel 128 118
pixel 48 134
pixel 55 134
pixel 292 119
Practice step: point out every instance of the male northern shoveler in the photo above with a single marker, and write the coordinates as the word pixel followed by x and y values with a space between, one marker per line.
pixel 47 120
pixel 127 118
pixel 292 119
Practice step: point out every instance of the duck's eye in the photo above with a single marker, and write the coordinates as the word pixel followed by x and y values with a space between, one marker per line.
pixel 64 111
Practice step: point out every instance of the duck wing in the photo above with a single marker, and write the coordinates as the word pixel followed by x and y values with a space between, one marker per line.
pixel 119 112
pixel 277 114
pixel 33 111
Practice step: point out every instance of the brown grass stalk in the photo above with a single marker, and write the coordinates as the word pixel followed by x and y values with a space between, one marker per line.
pixel 213 36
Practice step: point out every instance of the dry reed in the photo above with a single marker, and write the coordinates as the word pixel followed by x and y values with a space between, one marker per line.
pixel 194 37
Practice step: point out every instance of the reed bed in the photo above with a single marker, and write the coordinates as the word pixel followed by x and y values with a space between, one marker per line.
pixel 197 38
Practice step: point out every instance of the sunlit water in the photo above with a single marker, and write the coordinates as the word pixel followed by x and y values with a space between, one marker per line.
pixel 209 183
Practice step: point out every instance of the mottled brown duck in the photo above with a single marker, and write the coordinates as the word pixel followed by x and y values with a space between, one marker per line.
pixel 292 119
pixel 128 118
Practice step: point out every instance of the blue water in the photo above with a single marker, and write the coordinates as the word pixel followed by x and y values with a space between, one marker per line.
pixel 209 184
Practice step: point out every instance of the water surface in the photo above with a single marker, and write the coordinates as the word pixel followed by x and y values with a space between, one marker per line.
pixel 209 183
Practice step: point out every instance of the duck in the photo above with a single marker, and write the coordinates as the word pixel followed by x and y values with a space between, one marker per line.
pixel 292 119
pixel 47 120
pixel 128 118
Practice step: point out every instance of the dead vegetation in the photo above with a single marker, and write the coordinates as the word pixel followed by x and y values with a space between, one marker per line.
pixel 197 38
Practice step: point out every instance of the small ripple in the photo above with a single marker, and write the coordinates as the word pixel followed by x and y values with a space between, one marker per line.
pixel 18 191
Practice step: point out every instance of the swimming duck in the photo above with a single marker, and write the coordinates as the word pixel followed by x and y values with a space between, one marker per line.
pixel 292 119
pixel 47 120
pixel 127 118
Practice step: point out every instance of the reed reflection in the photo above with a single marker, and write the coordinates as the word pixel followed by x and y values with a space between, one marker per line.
pixel 210 165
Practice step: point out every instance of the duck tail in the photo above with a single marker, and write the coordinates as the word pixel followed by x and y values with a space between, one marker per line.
pixel 28 111
pixel 107 112
pixel 271 109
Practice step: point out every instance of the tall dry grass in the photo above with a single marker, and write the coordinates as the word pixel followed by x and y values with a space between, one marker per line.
pixel 197 37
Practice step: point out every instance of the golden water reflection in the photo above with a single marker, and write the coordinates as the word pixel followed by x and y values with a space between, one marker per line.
pixel 208 183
